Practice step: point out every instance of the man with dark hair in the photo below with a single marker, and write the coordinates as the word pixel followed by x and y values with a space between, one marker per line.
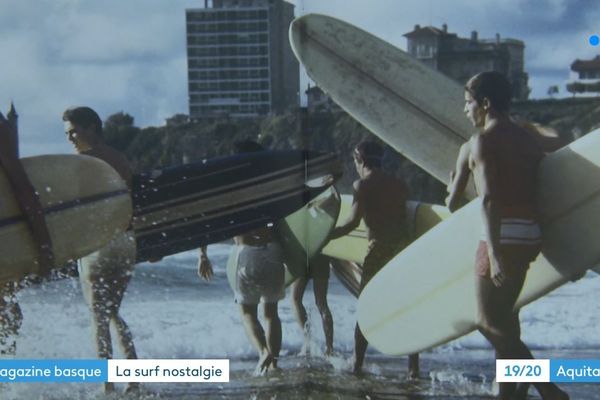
pixel 380 200
pixel 503 158
pixel 104 274
pixel 84 116
pixel 28 200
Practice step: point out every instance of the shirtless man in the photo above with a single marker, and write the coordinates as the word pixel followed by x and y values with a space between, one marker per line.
pixel 318 271
pixel 259 277
pixel 10 311
pixel 379 199
pixel 503 158
pixel 104 274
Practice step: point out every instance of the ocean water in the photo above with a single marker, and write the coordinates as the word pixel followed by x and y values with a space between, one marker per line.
pixel 173 314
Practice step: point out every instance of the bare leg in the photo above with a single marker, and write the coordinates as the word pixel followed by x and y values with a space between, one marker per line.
pixel 500 325
pixel 101 314
pixel 256 335
pixel 104 277
pixel 320 287
pixel 102 335
pixel 360 348
pixel 273 336
pixel 11 318
pixel 298 288
pixel 413 366
pixel 125 337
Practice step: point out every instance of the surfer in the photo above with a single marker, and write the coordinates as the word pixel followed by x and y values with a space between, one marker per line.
pixel 259 277
pixel 318 271
pixel 503 158
pixel 104 274
pixel 380 200
pixel 28 200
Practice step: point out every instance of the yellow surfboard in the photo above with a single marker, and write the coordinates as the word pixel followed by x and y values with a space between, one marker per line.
pixel 85 204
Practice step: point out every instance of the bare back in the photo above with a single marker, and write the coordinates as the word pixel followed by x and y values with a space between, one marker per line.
pixel 383 201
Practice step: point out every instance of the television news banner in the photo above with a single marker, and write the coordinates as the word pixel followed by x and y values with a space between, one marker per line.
pixel 217 370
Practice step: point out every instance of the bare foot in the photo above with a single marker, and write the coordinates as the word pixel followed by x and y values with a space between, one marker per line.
pixel 264 363
pixel 413 374
pixel 328 351
pixel 356 368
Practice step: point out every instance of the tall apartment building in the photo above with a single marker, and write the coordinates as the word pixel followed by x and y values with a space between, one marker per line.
pixel 240 62
pixel 461 58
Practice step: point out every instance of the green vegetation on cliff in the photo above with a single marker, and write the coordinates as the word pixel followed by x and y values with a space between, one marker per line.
pixel 180 141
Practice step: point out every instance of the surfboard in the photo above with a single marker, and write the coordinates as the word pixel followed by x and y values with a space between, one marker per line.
pixel 415 109
pixel 302 233
pixel 184 207
pixel 425 296
pixel 85 203
pixel 348 252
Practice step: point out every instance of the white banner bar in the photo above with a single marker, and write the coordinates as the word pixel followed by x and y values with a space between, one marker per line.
pixel 522 370
pixel 168 370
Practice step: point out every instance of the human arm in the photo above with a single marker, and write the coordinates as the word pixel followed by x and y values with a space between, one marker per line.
pixel 205 269
pixel 356 214
pixel 486 173
pixel 459 178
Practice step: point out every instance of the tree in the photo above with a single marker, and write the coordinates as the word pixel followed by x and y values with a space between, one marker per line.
pixel 119 130
pixel 575 87
pixel 552 90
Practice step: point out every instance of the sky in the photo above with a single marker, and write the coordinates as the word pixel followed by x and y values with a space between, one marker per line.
pixel 130 56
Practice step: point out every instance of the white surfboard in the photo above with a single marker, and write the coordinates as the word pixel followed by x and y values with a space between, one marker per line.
pixel 415 109
pixel 85 203
pixel 425 296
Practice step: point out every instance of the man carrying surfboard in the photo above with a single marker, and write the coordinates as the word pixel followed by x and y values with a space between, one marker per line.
pixel 380 200
pixel 28 200
pixel 503 158
pixel 259 278
pixel 104 274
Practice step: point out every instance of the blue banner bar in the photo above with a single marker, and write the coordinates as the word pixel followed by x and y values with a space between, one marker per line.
pixel 53 371
pixel 573 371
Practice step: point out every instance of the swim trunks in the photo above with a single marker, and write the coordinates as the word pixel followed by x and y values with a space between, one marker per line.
pixel 520 244
pixel 260 274
pixel 103 272
pixel 378 255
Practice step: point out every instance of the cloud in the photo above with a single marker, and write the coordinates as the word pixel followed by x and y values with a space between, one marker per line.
pixel 112 55
pixel 555 32
pixel 130 55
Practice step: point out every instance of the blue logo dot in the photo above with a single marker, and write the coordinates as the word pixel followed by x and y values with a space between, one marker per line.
pixel 594 40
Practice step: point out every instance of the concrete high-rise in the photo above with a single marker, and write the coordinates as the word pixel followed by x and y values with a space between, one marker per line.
pixel 240 63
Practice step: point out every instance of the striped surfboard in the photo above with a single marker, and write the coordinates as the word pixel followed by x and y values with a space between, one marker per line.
pixel 183 207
